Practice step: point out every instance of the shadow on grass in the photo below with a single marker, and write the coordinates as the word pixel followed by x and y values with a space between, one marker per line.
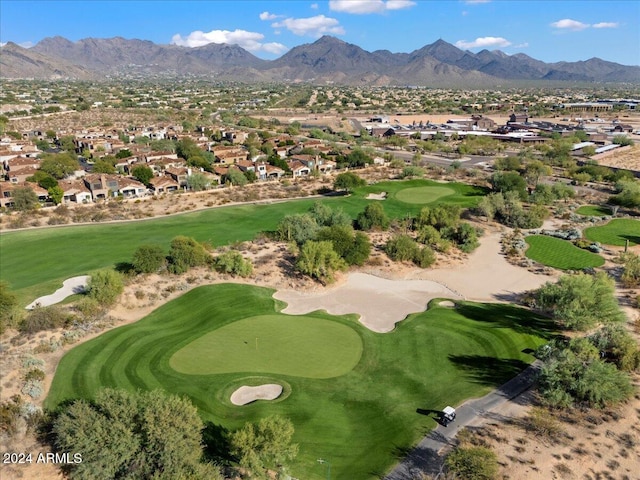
pixel 633 239
pixel 489 371
pixel 508 316
pixel 124 268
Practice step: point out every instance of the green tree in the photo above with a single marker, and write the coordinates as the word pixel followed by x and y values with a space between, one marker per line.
pixel 348 181
pixel 298 228
pixel 124 153
pixel 509 181
pixel 265 445
pixel 534 170
pixel 135 436
pixel 56 194
pixel 142 173
pixel 629 194
pixel 325 216
pixel 24 199
pixel 233 263
pixel 148 258
pixel 59 165
pixel 580 301
pixel 575 373
pixel 319 260
pixel 105 286
pixel 185 253
pixel 236 177
pixel 43 179
pixel 197 182
pixel 439 216
pixel 354 247
pixel 103 166
pixel 373 218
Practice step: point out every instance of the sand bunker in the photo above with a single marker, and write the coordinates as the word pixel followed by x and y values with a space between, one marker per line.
pixel 380 303
pixel 246 394
pixel 377 196
pixel 447 304
pixel 70 286
pixel 486 275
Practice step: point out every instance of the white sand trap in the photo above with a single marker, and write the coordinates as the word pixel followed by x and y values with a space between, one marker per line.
pixel 70 286
pixel 447 304
pixel 380 303
pixel 377 196
pixel 246 394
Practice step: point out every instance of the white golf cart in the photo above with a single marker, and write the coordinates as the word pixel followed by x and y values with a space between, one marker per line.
pixel 448 415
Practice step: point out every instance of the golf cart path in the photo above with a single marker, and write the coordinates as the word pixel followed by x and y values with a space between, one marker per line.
pixel 424 458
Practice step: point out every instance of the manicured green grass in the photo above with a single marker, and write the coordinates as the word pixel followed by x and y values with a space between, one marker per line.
pixel 360 420
pixel 423 195
pixel 299 346
pixel 616 232
pixel 36 262
pixel 593 211
pixel 558 253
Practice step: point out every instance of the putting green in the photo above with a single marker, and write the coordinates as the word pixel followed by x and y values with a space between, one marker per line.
pixel 276 344
pixel 420 195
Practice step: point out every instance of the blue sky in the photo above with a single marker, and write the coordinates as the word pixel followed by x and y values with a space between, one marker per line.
pixel 551 30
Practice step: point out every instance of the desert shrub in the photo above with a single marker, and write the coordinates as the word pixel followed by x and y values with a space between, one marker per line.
pixel 354 247
pixel 148 258
pixel 298 228
pixel 185 253
pixel 32 388
pixel 319 260
pixel 105 286
pixel 425 257
pixel 401 248
pixel 34 374
pixel 233 263
pixel 616 344
pixel 45 318
pixel 543 424
pixel 373 218
pixel 580 301
pixel 473 463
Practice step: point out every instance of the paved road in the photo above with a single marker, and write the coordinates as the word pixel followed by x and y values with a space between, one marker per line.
pixel 424 457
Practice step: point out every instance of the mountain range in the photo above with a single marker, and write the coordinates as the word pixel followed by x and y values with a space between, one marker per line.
pixel 327 60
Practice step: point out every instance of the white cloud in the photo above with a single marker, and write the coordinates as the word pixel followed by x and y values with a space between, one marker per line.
pixel 605 25
pixel 268 16
pixel 568 24
pixel 485 42
pixel 360 7
pixel 314 6
pixel 521 45
pixel 474 2
pixel 311 26
pixel 251 41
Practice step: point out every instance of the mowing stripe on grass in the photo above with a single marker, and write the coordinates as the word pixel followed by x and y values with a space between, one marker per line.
pixel 558 253
pixel 360 419
pixel 616 232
